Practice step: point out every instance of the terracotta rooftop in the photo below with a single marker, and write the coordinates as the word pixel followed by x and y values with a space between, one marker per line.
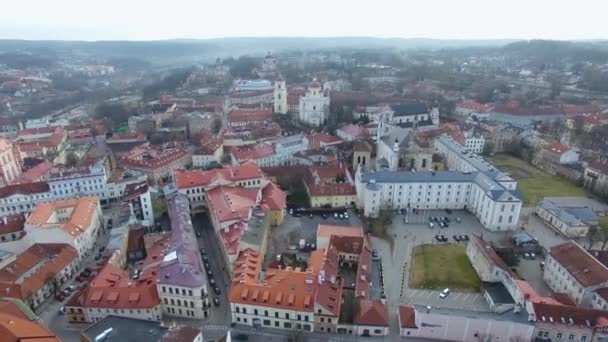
pixel 587 270
pixel 35 174
pixel 557 148
pixel 273 197
pixel 557 315
pixel 356 131
pixel 254 152
pixel 327 231
pixel 190 179
pixel 407 316
pixel 371 312
pixel 12 223
pixel 83 211
pixel 25 189
pixel 476 106
pixel 249 115
pixel 32 269
pixel 149 158
pixel 231 203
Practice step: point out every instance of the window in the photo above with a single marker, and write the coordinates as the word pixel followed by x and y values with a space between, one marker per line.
pixel 276 315
pixel 559 336
pixel 322 320
pixel 238 310
pixel 571 337
pixel 276 324
pixel 266 322
pixel 583 338
pixel 287 325
pixel 377 331
pixel 286 316
pixel 266 313
pixel 255 312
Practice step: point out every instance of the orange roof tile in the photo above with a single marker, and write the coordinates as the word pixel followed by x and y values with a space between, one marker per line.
pixel 371 312
pixel 327 231
pixel 190 179
pixel 47 260
pixel 80 219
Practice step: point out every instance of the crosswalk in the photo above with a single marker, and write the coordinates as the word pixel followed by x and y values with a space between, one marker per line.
pixel 214 327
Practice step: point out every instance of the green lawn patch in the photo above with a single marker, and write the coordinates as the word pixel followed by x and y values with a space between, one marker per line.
pixel 535 184
pixel 440 266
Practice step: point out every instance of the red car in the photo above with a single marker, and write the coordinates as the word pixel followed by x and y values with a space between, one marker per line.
pixel 59 297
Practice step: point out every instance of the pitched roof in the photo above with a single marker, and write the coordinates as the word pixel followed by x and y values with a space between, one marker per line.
pixel 249 115
pixel 569 315
pixel 273 197
pixel 557 148
pixel 586 269
pixel 371 312
pixel 476 106
pixel 12 223
pixel 190 179
pixel 231 203
pixel 33 268
pixel 18 329
pixel 150 158
pixel 407 316
pixel 486 248
pixel 291 289
pixel 83 210
pixel 24 189
pixel 403 109
pixel 357 131
pixel 254 152
pixel 325 230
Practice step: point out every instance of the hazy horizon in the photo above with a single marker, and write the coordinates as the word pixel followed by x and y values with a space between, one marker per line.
pixel 188 19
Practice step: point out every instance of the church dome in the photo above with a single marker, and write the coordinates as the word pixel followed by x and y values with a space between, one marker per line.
pixel 279 78
pixel 314 84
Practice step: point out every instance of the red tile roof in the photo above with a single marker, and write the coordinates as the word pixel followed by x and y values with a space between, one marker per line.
pixel 476 106
pixel 371 312
pixel 356 131
pixel 35 174
pixel 317 139
pixel 249 116
pixel 407 316
pixel 321 181
pixel 149 158
pixel 82 214
pixel 273 197
pixel 45 260
pixel 12 223
pixel 489 253
pixel 587 270
pixel 231 203
pixel 557 148
pixel 252 152
pixel 25 189
pixel 329 283
pixel 230 175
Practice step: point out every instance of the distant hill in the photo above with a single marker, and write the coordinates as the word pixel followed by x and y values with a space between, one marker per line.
pixel 187 49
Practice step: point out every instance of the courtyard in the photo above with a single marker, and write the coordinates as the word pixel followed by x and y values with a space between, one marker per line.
pixel 443 266
pixel 534 183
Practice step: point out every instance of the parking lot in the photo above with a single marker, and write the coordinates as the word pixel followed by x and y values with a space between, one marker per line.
pixel 455 300
pixel 531 271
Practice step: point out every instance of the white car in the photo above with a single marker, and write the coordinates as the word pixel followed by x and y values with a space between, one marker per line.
pixel 444 293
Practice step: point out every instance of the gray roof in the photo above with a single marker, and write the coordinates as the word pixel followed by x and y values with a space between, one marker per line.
pixel 409 109
pixel 573 216
pixel 498 292
pixel 520 317
pixel 125 329
pixel 182 264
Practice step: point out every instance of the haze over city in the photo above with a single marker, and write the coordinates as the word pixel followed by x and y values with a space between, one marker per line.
pixel 144 20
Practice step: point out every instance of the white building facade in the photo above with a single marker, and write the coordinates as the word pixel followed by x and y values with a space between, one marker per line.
pixel 314 106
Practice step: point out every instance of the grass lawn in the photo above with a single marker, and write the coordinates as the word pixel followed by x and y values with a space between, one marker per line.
pixel 534 183
pixel 440 266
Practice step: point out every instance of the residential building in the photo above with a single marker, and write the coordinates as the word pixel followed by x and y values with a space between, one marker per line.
pixel 210 153
pixel 156 163
pixel 19 323
pixel 413 115
pixel 182 280
pixel 553 155
pixel 78 181
pixel 117 184
pixel 262 154
pixel 274 203
pixel 22 198
pixel 556 322
pixel 371 317
pixel 330 185
pixel 11 227
pixel 515 115
pixel 572 221
pixel 319 140
pixel 351 132
pixel 36 274
pixel 471 108
pixel 196 183
pixel 255 97
pixel 122 143
pixel 10 170
pixel 595 176
pixel 138 197
pixel 76 222
pixel 314 106
pixel 252 85
pixel 572 270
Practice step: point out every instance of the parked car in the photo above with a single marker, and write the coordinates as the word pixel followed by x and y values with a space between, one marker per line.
pixel 542 265
pixel 324 216
pixel 458 219
pixel 65 293
pixel 209 272
pixel 466 237
pixel 335 215
pixel 211 281
pixel 217 290
pixel 203 251
pixel 71 288
pixel 441 238
pixel 207 266
pixel 59 297
pixel 431 225
pixel 456 238
pixel 205 258
pixel 345 215
pixel 291 211
pixel 216 301
pixel 444 293
pixel 532 256
pixel 198 234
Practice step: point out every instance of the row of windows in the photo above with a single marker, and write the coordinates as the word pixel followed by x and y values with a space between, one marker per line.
pixel 169 289
pixel 276 314
pixel 53 186
pixel 277 324
pixel 189 313
pixel 560 335
pixel 179 302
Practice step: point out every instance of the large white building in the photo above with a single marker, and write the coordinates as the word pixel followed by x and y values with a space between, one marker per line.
pixel 476 186
pixel 83 181
pixel 314 106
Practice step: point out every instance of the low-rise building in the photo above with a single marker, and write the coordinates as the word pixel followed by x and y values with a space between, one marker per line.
pixel 595 177
pixel 156 163
pixel 351 132
pixel 22 198
pixel 36 274
pixel 371 318
pixel 570 269
pixel 19 323
pixel 249 117
pixel 572 221
pixel 138 197
pixel 10 170
pixel 552 156
pixel 76 222
pixel 210 152
pixel 330 185
pixel 11 227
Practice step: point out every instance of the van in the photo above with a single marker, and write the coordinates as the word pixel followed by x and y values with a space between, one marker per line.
pixel 444 293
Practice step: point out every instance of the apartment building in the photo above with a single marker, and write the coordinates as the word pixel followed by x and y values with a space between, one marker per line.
pixel 38 272
pixel 182 281
pixel 76 222
pixel 138 196
pixel 570 269
pixel 80 181
pixel 156 163
pixel 22 198
pixel 330 185
pixel 19 323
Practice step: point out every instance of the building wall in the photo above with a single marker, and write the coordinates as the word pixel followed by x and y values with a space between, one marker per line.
pixel 93 314
pixel 277 318
pixel 179 301
pixel 553 221
pixel 335 201
pixel 561 332
pixel 561 280
pixel 363 159
pixel 370 330
pixel 456 327
pixel 21 203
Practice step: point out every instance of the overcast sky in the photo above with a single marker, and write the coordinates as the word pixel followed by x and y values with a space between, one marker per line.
pixel 447 19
